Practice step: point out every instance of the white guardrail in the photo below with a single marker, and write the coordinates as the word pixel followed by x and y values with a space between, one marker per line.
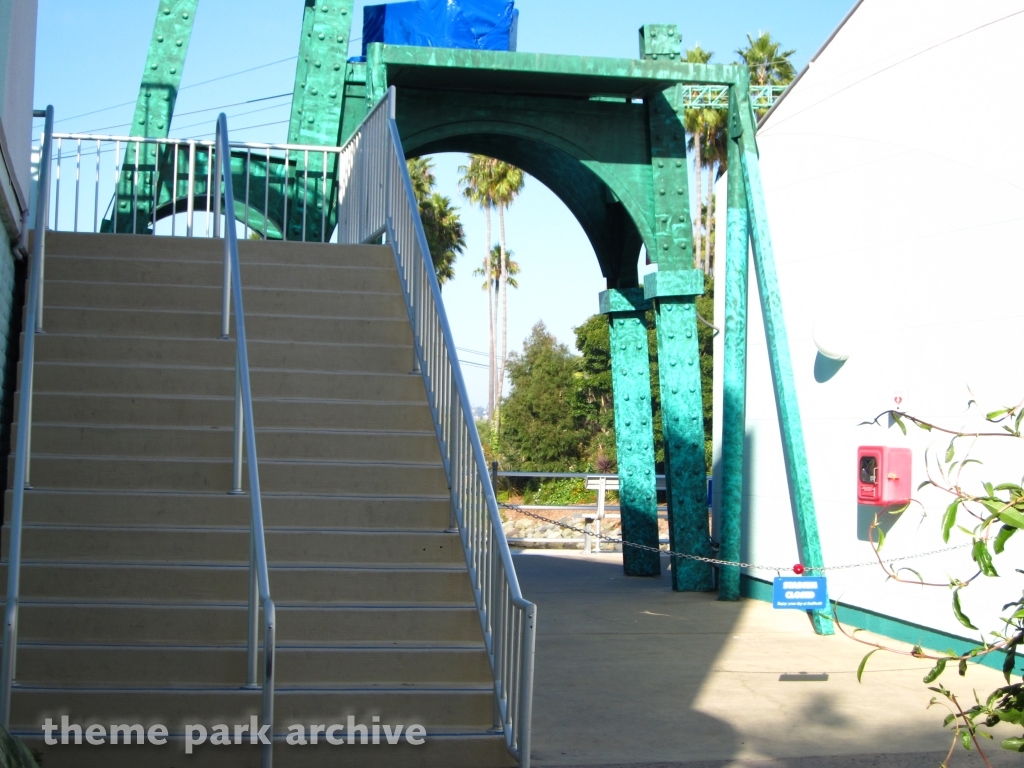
pixel 376 202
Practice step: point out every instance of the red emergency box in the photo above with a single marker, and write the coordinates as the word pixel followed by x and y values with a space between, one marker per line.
pixel 883 475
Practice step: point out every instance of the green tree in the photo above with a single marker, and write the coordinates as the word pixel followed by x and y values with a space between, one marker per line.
pixel 446 237
pixel 769 65
pixel 540 431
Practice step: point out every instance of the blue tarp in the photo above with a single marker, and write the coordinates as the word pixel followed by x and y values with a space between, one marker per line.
pixel 488 25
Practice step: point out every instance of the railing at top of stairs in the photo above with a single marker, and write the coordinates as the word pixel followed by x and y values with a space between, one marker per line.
pixel 376 200
pixel 244 435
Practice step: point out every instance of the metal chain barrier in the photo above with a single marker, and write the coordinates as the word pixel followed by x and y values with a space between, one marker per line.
pixel 715 561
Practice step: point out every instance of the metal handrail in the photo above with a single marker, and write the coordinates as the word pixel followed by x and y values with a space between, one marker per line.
pixel 376 199
pixel 245 436
pixel 23 444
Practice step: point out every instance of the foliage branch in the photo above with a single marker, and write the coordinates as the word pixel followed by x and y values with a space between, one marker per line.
pixel 989 517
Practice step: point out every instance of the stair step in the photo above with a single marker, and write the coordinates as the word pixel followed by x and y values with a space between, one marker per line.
pixel 203 442
pixel 130 473
pixel 308 356
pixel 317 303
pixel 203 582
pixel 145 666
pixel 93 378
pixel 454 748
pixel 466 705
pixel 177 624
pixel 213 412
pixel 85 507
pixel 178 324
pixel 184 271
pixel 81 544
pixel 145 247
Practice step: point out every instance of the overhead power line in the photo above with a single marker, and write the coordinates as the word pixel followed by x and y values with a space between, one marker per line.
pixel 184 88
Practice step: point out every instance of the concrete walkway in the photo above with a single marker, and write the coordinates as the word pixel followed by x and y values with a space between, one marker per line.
pixel 631 674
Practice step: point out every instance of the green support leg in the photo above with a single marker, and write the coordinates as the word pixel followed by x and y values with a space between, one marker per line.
pixel 682 424
pixel 793 446
pixel 734 371
pixel 634 431
pixel 161 78
pixel 317 108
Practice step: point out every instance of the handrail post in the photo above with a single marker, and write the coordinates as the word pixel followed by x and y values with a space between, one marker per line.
pixel 33 325
pixel 245 437
pixel 225 327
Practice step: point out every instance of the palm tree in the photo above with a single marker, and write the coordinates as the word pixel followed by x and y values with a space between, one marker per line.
pixel 446 237
pixel 768 65
pixel 695 121
pixel 476 183
pixel 495 276
pixel 508 183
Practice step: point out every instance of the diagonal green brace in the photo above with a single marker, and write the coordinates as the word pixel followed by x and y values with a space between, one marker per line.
pixel 734 362
pixel 634 428
pixel 793 446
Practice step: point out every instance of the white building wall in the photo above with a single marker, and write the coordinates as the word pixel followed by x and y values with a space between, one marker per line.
pixel 895 191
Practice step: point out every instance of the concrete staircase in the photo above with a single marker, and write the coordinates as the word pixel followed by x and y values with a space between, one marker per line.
pixel 134 583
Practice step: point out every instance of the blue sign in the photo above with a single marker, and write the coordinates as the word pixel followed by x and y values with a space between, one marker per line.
pixel 803 593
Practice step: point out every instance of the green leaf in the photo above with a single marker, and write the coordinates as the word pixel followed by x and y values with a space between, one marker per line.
pixel 881 538
pixel 949 519
pixel 1002 537
pixel 899 510
pixel 958 611
pixel 1009 661
pixel 899 422
pixel 965 739
pixel 925 483
pixel 992 415
pixel 925 427
pixel 938 669
pixel 988 487
pixel 863 663
pixel 951 451
pixel 1011 516
pixel 1014 745
pixel 919 576
pixel 983 558
pixel 963 668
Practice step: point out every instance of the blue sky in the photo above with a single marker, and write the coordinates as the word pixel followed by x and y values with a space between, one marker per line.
pixel 90 56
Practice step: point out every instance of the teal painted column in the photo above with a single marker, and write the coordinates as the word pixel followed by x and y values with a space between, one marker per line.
pixel 734 360
pixel 682 423
pixel 154 109
pixel 317 109
pixel 793 447
pixel 634 428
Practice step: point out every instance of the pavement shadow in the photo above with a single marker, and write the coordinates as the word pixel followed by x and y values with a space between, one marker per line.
pixel 620 661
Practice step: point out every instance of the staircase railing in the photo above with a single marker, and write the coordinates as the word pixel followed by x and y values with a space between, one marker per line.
pixel 245 437
pixel 23 442
pixel 376 200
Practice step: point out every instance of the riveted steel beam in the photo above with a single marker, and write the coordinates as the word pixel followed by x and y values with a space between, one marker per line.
pixel 634 430
pixel 318 105
pixel 682 423
pixel 161 79
pixel 793 446
pixel 734 360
